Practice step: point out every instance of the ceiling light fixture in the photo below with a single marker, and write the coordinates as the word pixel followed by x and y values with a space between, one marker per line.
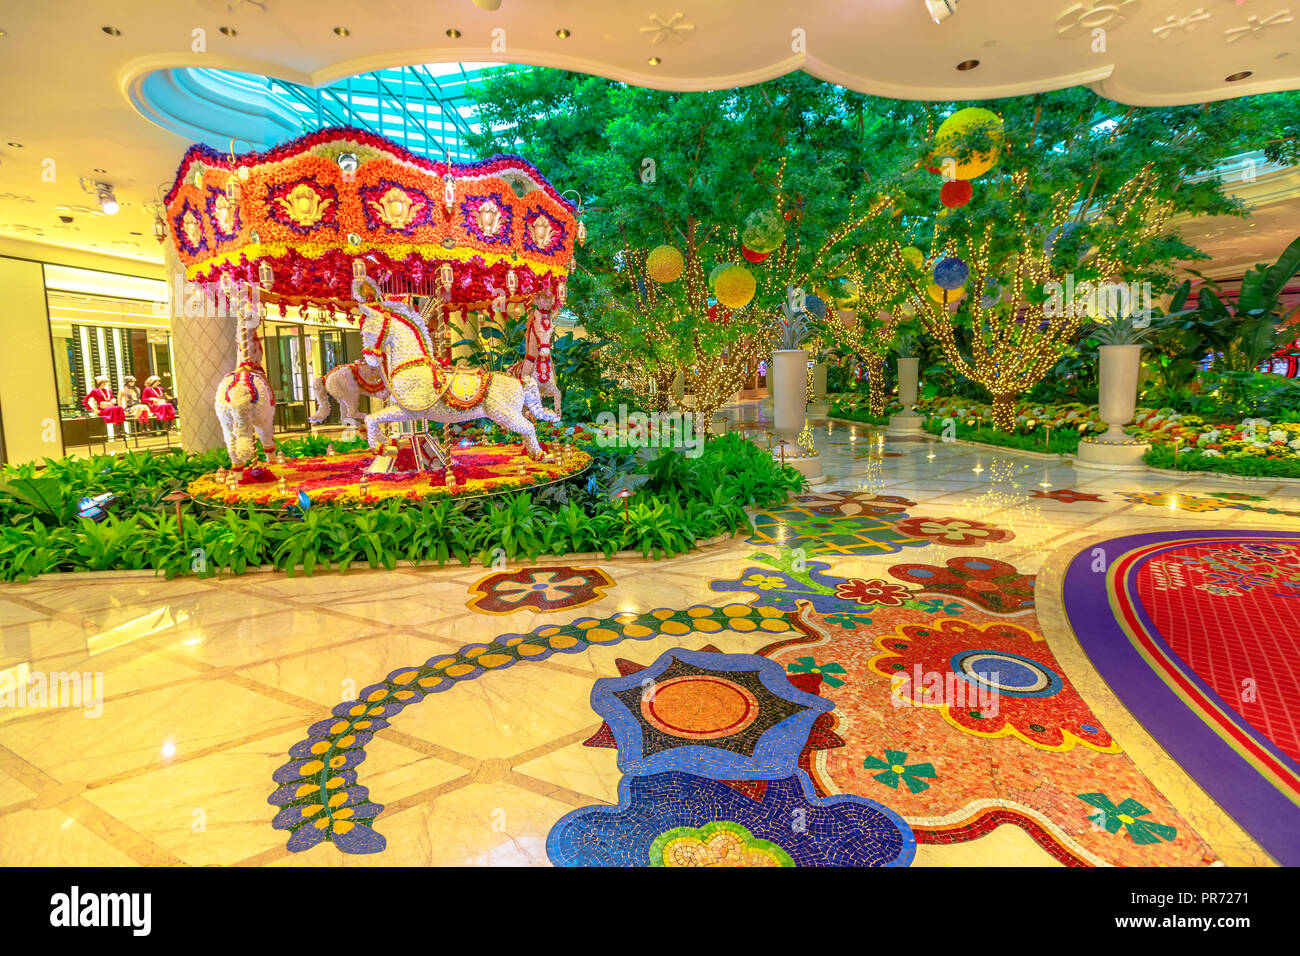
pixel 112 31
pixel 488 4
pixel 103 192
pixel 16 145
pixel 1238 76
pixel 342 31
pixel 228 31
pixel 563 34
pixel 654 61
pixel 453 34
pixel 965 65
pixel 941 10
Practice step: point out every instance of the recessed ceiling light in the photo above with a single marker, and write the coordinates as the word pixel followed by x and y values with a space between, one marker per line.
pixel 16 145
pixel 342 31
pixel 112 31
pixel 228 31
pixel 453 34
pixel 1238 76
pixel 562 33
pixel 965 65
pixel 98 170
pixel 3 34
pixel 654 61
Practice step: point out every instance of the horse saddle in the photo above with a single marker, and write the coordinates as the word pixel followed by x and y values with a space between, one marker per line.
pixel 466 389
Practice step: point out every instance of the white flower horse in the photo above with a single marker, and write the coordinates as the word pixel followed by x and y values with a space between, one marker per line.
pixel 397 344
pixel 245 402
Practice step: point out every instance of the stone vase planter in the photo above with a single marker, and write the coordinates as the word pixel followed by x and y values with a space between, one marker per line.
pixel 1117 402
pixel 909 370
pixel 789 387
pixel 906 422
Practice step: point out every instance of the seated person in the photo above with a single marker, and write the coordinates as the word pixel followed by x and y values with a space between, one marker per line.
pixel 159 403
pixel 100 401
pixel 129 397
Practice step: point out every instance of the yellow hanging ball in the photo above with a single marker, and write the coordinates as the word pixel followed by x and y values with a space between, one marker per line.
pixel 949 142
pixel 937 292
pixel 735 287
pixel 914 257
pixel 664 264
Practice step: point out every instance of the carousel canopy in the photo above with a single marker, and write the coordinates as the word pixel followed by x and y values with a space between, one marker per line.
pixel 309 210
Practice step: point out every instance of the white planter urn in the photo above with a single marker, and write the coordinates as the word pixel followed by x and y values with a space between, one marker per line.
pixel 1117 403
pixel 789 380
pixel 906 421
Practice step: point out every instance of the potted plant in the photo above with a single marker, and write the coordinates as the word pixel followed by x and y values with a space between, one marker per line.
pixel 789 373
pixel 1120 361
pixel 907 346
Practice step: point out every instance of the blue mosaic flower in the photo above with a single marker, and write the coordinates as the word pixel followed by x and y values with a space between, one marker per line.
pixel 722 716
pixel 814 831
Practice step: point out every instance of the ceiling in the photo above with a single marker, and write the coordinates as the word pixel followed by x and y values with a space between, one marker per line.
pixel 68 85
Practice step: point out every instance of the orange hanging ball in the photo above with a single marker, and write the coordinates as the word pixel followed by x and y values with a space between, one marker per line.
pixel 956 193
pixel 753 256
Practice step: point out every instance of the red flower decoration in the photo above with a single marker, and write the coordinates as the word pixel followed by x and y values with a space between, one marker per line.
pixel 992 680
pixel 959 532
pixel 993 585
pixel 872 592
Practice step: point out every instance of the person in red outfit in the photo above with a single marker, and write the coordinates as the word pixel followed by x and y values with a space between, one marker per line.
pixel 156 399
pixel 100 401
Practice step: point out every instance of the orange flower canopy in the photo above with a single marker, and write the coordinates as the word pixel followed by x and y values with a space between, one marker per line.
pixel 310 209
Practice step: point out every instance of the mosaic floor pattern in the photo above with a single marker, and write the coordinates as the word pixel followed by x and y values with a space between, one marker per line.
pixel 878 675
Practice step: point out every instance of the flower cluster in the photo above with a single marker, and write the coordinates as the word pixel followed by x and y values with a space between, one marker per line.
pixel 1082 418
pixel 1251 438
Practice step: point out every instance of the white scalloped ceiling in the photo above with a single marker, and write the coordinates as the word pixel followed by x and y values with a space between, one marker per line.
pixel 66 84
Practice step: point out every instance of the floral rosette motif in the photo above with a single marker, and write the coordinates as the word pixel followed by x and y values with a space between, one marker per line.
pixel 995 680
pixel 956 532
pixel 223 215
pixel 488 218
pixel 304 206
pixel 188 227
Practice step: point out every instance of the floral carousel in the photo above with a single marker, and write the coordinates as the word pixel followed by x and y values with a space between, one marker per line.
pixel 348 225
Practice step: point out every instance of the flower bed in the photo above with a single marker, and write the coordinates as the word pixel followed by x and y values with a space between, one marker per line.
pixel 1251 447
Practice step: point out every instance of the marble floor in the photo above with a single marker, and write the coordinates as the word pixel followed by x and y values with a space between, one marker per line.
pixel 203 699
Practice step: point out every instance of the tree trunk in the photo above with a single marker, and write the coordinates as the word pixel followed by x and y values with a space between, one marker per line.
pixel 662 398
pixel 1004 412
pixel 875 384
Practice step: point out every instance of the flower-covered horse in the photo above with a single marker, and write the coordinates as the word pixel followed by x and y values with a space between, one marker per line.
pixel 347 383
pixel 420 389
pixel 536 363
pixel 245 402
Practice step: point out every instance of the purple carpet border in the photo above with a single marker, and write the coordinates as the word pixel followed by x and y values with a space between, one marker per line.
pixel 1259 807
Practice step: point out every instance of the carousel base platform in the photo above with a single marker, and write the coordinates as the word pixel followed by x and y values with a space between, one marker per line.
pixel 478 470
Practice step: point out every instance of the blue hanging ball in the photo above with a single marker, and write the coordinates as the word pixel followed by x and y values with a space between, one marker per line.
pixel 814 306
pixel 951 273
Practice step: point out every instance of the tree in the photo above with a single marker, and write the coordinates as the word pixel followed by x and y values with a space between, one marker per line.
pixel 1081 198
pixel 686 169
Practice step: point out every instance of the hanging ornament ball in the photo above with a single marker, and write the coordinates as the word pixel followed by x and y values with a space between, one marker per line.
pixel 844 292
pixel 753 256
pixel 914 257
pixel 815 306
pixel 763 231
pixel 936 293
pixel 908 308
pixel 720 268
pixel 956 194
pixel 664 264
pixel 950 142
pixel 735 286
pixel 951 273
